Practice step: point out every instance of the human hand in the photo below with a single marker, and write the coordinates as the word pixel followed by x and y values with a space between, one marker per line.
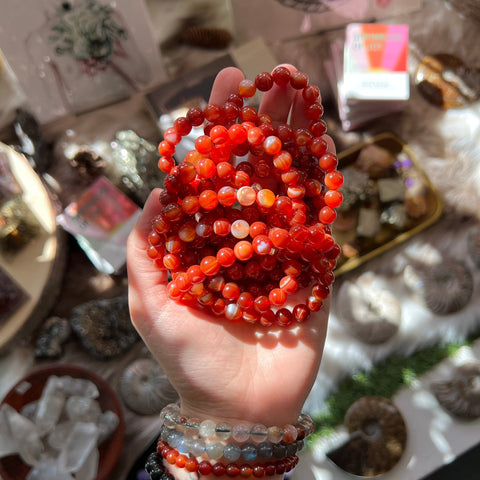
pixel 222 370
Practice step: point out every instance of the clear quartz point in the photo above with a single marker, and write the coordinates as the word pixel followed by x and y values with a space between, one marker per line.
pixel 89 469
pixel 107 423
pixel 50 405
pixel 25 435
pixel 78 446
pixel 82 409
pixel 81 387
pixel 48 469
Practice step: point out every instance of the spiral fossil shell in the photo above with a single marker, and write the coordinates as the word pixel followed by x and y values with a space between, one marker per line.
pixel 447 287
pixel 378 436
pixel 460 394
pixel 144 387
pixel 372 314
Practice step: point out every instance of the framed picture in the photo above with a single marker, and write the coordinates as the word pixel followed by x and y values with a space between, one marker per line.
pixel 73 56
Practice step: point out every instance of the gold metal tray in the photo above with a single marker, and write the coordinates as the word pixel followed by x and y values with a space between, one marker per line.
pixel 357 250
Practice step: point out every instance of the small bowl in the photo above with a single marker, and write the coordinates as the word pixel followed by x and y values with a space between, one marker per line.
pixel 13 468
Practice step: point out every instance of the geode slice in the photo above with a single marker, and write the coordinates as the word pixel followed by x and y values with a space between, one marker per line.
pixel 104 327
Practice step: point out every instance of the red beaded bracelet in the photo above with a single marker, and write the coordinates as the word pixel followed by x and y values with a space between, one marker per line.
pixel 245 470
pixel 238 239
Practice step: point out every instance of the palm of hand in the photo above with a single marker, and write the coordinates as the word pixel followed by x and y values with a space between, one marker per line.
pixel 228 371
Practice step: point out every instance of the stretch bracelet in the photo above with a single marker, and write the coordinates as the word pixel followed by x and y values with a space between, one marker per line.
pixel 232 469
pixel 241 432
pixel 231 451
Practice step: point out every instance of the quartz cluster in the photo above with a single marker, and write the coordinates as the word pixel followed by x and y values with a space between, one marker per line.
pixel 58 435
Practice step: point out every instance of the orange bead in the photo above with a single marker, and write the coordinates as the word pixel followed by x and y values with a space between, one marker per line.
pixel 209 265
pixel 208 199
pixel 206 168
pixel 246 196
pixel 227 196
pixel 226 257
pixel 243 250
pixel 277 297
pixel 247 88
pixel 231 291
pixel 282 161
pixel 272 145
pixel 265 198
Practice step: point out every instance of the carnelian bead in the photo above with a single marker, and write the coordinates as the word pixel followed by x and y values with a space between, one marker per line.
pixel 206 298
pixel 262 245
pixel 246 196
pixel 237 134
pixel 208 199
pixel 284 132
pixel 227 196
pixel 172 212
pixel 231 291
pixel 204 144
pixel 265 198
pixel 172 136
pixel 288 284
pixel 212 112
pixel 154 238
pixel 165 164
pixel 218 306
pixel 242 179
pixel 186 172
pixel 187 232
pixel 281 75
pixel 172 183
pixel 231 111
pixel 195 274
pixel 267 262
pixel 245 300
pixel 219 134
pixel 298 80
pixel 319 128
pixel 204 229
pixel 277 297
pixel 182 281
pixel 243 250
pixel 247 88
pixel 296 192
pixel 333 198
pixel 264 81
pixel 221 152
pixel 205 467
pixel 320 291
pixel 161 224
pixel 261 304
pixel 283 205
pixel 191 464
pixel 333 180
pixel 262 169
pixel 221 227
pixel 310 93
pixel 152 252
pixel 328 162
pixel 314 111
pixel 284 317
pixel 172 261
pixel 166 148
pixel 250 214
pixel 182 126
pixel 272 145
pixel 258 228
pixel 282 160
pixel 190 205
pixel 248 114
pixel 171 457
pixel 173 244
pixel 255 136
pixel 209 265
pixel 279 237
pixel 240 228
pixel 292 267
pixel 300 312
pixel 314 304
pixel 216 283
pixel 206 168
pixel 195 116
pixel 225 171
pixel 226 257
pixel 318 146
pixel 193 157
pixel 302 137
pixel 235 272
pixel 258 471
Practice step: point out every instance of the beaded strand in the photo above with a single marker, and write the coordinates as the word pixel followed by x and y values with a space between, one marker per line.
pixel 232 243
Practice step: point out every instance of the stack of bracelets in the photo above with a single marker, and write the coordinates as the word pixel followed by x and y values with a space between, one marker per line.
pixel 238 239
pixel 226 449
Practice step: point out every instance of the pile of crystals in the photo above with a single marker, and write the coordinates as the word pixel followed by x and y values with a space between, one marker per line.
pixel 58 434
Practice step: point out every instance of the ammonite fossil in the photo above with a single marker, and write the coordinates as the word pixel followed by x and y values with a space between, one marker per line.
pixel 473 245
pixel 145 388
pixel 460 394
pixel 104 327
pixel 377 440
pixel 370 313
pixel 447 287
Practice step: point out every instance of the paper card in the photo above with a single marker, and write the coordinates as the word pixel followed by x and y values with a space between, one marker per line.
pixel 375 62
pixel 101 220
pixel 73 56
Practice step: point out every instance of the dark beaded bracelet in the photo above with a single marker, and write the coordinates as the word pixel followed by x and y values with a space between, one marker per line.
pixel 156 469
